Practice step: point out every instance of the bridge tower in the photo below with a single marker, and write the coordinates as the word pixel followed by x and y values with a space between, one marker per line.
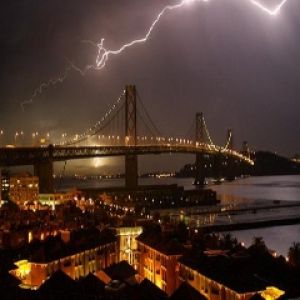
pixel 200 139
pixel 230 139
pixel 131 161
pixel 231 169
pixel 245 149
pixel 44 170
pixel 246 169
pixel 199 128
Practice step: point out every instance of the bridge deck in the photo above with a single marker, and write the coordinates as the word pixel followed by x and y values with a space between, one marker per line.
pixel 31 155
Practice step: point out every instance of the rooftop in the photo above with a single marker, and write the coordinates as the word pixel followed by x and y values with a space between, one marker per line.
pixel 54 248
pixel 235 272
pixel 186 292
pixel 164 244
pixel 120 271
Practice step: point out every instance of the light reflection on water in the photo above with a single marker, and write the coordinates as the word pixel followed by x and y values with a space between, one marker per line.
pixel 282 188
pixel 276 238
pixel 258 189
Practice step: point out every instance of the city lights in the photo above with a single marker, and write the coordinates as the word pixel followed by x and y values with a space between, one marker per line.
pixel 173 188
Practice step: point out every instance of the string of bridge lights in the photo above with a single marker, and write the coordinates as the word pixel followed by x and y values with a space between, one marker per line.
pixel 97 126
pixel 207 133
pixel 228 141
pixel 103 54
pixel 92 131
pixel 167 141
pixel 171 142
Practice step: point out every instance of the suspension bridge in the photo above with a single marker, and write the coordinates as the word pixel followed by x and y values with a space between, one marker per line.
pixel 108 138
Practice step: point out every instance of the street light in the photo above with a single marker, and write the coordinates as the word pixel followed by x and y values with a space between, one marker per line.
pixel 16 137
pixel 34 135
pixel 1 134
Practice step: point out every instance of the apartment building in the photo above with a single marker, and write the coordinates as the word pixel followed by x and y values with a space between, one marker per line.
pixel 158 257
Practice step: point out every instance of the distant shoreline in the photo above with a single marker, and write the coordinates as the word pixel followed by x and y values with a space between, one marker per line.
pixel 250 225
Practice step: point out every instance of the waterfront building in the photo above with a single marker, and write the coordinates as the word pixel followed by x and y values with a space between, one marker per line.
pixel 52 200
pixel 23 188
pixel 4 180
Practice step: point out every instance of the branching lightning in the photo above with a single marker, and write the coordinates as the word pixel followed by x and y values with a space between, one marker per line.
pixel 271 12
pixel 103 54
pixel 52 81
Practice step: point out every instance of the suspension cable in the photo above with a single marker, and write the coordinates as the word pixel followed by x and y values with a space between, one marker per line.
pixel 148 116
pixel 100 125
pixel 151 131
pixel 207 132
pixel 190 130
pixel 228 142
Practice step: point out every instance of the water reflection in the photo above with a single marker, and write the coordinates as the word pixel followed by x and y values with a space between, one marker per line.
pixel 278 238
pixel 240 194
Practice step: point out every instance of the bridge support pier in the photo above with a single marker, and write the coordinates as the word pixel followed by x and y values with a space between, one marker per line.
pixel 131 160
pixel 131 171
pixel 200 170
pixel 200 165
pixel 44 170
pixel 218 168
pixel 230 171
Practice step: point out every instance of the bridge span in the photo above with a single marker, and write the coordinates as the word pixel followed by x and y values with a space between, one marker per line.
pixel 129 144
pixel 42 158
pixel 32 155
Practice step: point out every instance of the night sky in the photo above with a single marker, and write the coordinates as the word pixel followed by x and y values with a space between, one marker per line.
pixel 238 65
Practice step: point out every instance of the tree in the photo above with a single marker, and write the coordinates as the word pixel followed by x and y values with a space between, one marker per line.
pixel 294 255
pixel 258 241
pixel 182 232
pixel 228 241
pixel 258 246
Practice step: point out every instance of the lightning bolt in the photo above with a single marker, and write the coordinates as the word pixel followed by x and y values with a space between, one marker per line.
pixel 103 54
pixel 271 12
pixel 52 81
